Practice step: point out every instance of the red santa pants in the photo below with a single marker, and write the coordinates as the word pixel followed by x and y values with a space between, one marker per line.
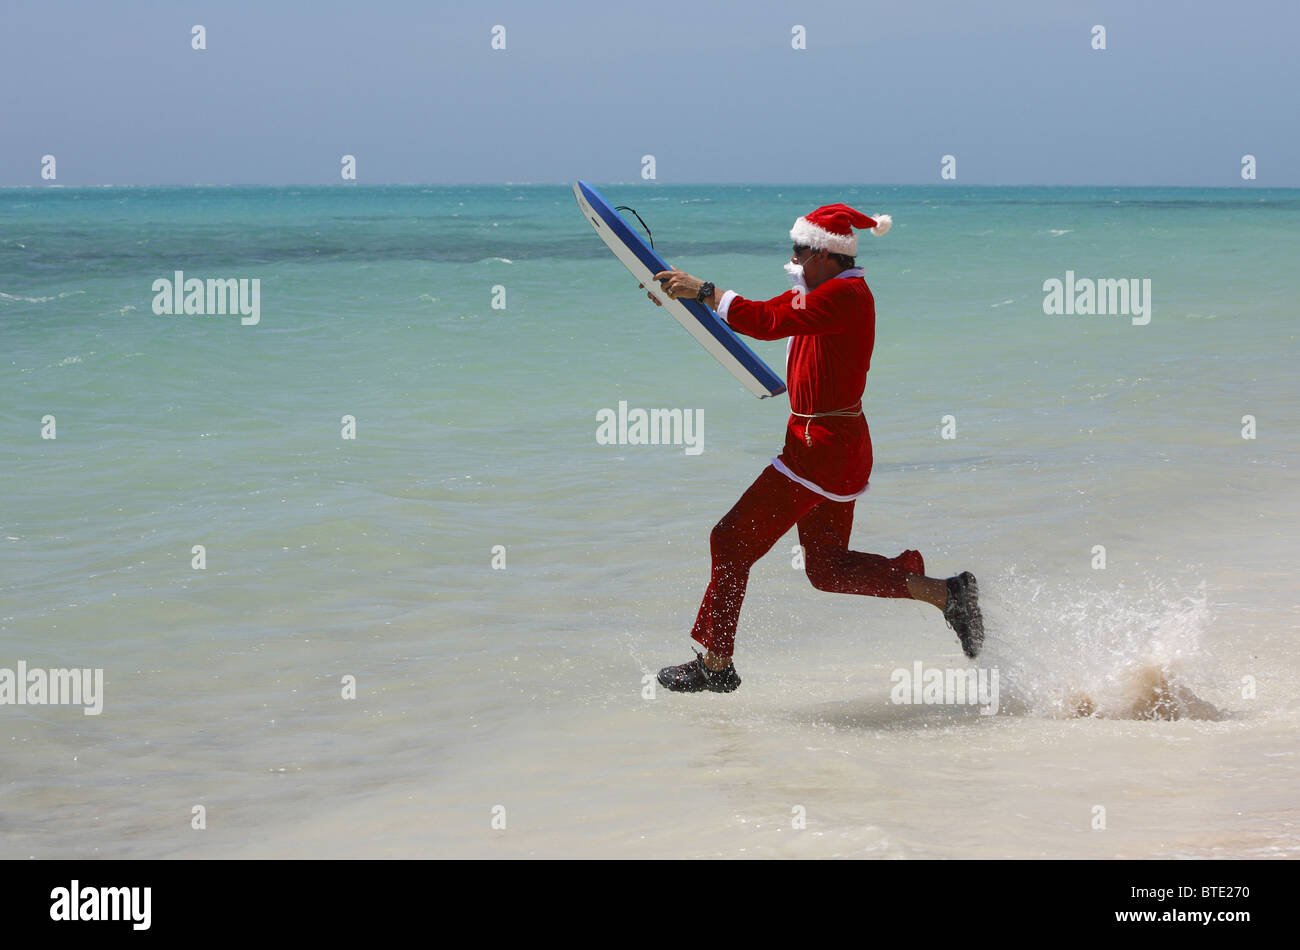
pixel 769 508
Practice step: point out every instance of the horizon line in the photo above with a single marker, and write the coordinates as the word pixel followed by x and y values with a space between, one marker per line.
pixel 651 184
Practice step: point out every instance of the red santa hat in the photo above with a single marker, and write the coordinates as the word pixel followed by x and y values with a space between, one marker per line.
pixel 830 228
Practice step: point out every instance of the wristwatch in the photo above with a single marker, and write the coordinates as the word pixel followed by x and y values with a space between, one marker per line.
pixel 705 292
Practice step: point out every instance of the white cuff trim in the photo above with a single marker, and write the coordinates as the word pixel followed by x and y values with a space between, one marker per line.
pixel 725 303
pixel 781 467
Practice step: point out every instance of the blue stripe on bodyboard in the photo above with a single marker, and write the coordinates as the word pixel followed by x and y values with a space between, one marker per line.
pixel 709 320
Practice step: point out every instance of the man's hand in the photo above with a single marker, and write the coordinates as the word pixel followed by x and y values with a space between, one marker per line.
pixel 679 284
pixel 652 297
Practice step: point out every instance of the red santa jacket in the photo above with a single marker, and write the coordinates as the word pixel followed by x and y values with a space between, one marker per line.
pixel 827 359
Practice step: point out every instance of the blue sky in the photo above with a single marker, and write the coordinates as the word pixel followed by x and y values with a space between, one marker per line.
pixel 1011 88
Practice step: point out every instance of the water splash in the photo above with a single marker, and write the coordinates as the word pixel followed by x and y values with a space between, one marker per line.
pixel 1109 653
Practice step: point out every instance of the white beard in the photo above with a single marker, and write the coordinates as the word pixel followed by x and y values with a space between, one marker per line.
pixel 795 273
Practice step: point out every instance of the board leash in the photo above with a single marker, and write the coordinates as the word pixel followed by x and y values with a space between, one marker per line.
pixel 643 224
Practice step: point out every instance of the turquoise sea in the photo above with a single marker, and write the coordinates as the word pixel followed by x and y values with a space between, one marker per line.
pixel 498 584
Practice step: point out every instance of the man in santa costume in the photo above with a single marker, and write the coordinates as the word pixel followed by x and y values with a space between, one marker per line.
pixel 830 320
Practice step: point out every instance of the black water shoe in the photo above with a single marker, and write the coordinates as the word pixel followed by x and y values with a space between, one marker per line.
pixel 963 612
pixel 694 677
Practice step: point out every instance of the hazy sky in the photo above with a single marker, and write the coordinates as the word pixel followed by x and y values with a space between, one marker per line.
pixel 715 92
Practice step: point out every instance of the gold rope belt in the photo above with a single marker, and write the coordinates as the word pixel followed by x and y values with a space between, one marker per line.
pixel 853 410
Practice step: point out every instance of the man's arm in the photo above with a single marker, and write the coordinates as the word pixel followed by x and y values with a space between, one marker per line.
pixel 793 313
pixel 680 285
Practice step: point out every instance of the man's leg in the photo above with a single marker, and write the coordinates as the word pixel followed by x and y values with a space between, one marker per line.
pixel 768 509
pixel 831 566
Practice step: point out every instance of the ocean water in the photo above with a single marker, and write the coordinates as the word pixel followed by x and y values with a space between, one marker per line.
pixel 499 585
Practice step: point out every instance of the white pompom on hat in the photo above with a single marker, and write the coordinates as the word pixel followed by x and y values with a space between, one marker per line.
pixel 830 228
